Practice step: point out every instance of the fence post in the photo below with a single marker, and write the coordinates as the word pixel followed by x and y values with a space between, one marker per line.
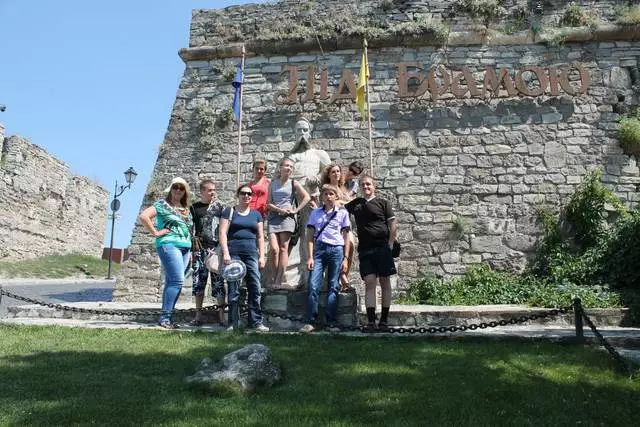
pixel 577 315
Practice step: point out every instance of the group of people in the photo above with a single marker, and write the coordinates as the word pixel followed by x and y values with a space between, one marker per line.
pixel 185 235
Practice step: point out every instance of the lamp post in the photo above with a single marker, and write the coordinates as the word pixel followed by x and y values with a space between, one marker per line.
pixel 129 176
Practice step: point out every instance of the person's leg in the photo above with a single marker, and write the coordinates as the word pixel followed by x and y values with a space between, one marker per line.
pixel 283 255
pixel 387 268
pixel 368 272
pixel 274 257
pixel 335 256
pixel 199 277
pixel 252 279
pixel 174 262
pixel 218 293
pixel 315 284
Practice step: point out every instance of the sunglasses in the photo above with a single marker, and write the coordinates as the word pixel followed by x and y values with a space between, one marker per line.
pixel 354 171
pixel 245 193
pixel 178 187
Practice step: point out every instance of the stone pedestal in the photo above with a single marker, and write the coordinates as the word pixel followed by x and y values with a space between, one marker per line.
pixel 294 303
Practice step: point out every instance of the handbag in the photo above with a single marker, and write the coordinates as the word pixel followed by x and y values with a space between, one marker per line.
pixel 212 260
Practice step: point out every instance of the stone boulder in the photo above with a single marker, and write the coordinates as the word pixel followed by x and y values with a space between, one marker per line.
pixel 251 367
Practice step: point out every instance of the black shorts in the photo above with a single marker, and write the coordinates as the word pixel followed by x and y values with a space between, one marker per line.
pixel 378 261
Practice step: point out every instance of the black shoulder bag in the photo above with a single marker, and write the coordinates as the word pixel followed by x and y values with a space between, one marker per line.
pixel 295 236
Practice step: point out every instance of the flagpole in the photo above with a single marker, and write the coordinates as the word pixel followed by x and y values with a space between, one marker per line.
pixel 240 123
pixel 366 61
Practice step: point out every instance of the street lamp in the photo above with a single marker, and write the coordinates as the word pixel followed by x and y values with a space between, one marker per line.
pixel 129 176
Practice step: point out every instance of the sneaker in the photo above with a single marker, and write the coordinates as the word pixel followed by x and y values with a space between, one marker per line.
pixel 307 329
pixel 260 328
pixel 333 328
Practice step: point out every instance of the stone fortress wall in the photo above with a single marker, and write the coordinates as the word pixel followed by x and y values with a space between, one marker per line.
pixel 47 209
pixel 474 131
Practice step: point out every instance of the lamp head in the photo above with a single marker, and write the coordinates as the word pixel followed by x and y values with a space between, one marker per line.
pixel 130 175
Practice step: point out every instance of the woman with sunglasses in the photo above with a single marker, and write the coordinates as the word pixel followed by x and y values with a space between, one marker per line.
pixel 242 238
pixel 169 221
pixel 282 221
pixel 333 176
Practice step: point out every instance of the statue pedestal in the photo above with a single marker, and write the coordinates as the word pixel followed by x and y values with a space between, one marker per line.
pixel 294 303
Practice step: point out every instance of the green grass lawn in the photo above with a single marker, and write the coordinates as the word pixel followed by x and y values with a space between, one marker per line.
pixel 62 376
pixel 58 266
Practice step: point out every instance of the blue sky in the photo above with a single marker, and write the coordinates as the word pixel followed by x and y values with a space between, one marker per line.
pixel 93 83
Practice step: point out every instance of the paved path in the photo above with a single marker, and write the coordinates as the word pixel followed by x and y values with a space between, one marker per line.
pixel 56 291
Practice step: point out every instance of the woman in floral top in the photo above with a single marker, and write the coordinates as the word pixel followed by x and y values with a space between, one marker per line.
pixel 172 230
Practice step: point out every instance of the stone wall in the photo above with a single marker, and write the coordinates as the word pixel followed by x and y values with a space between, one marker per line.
pixel 466 169
pixel 48 210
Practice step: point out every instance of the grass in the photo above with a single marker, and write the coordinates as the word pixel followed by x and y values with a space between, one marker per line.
pixel 64 376
pixel 57 266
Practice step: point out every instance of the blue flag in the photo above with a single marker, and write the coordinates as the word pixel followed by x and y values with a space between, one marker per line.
pixel 237 83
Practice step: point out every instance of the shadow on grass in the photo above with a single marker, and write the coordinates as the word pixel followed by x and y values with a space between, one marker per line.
pixel 84 295
pixel 327 381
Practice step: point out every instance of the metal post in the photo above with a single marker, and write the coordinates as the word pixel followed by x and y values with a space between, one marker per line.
pixel 113 224
pixel 577 315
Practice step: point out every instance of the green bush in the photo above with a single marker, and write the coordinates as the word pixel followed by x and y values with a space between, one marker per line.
pixel 582 253
pixel 575 16
pixel 629 134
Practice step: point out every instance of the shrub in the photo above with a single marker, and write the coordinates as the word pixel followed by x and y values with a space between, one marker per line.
pixel 629 15
pixel 629 134
pixel 575 16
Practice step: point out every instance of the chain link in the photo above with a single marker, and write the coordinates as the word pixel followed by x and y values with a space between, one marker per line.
pixel 612 351
pixel 432 329
pixel 214 307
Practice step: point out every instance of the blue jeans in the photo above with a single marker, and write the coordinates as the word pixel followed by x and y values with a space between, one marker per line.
pixel 252 280
pixel 324 257
pixel 175 261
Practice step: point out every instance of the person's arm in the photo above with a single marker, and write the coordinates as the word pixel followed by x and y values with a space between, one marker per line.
pixel 347 245
pixel 302 193
pixel 224 228
pixel 262 260
pixel 310 237
pixel 146 218
pixel 391 223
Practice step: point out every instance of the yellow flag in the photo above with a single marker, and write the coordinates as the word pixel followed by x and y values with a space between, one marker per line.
pixel 363 78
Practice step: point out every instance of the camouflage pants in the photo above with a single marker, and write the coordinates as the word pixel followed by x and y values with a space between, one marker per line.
pixel 201 274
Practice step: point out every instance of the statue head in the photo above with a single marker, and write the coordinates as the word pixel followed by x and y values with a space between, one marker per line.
pixel 303 135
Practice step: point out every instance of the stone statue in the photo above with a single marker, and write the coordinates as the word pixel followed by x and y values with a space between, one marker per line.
pixel 308 163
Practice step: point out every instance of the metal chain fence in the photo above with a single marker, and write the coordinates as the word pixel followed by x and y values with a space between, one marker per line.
pixel 576 307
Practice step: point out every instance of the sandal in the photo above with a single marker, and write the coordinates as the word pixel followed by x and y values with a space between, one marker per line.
pixel 196 322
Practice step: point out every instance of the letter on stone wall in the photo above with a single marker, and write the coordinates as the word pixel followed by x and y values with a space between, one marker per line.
pixel 491 80
pixel 347 80
pixel 434 89
pixel 311 77
pixel 472 88
pixel 290 96
pixel 404 77
pixel 542 80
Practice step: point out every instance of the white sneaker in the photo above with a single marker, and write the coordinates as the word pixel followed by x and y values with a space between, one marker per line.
pixel 261 328
pixel 307 329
